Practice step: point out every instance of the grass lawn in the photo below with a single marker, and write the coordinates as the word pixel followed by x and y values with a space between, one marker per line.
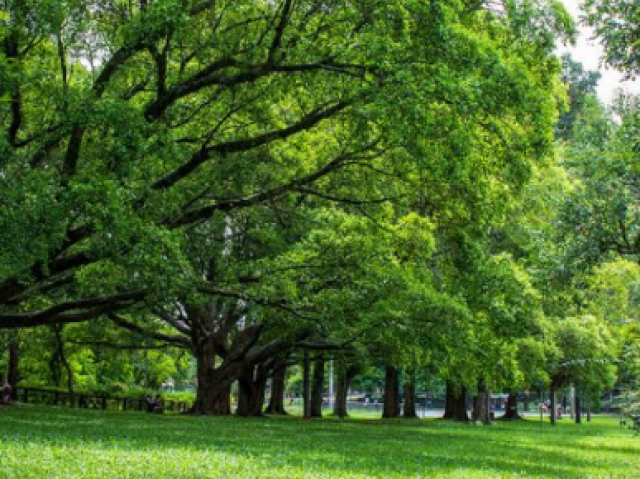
pixel 46 442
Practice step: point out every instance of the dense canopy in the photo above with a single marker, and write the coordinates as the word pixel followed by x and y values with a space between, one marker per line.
pixel 261 185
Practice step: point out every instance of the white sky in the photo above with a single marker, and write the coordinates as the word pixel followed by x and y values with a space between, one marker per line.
pixel 589 52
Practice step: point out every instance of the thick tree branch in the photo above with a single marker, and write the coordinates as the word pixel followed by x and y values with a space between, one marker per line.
pixel 279 31
pixel 195 215
pixel 213 75
pixel 181 341
pixel 139 43
pixel 305 123
pixel 339 199
pixel 12 52
pixel 279 304
pixel 12 287
pixel 106 344
pixel 64 312
pixel 175 323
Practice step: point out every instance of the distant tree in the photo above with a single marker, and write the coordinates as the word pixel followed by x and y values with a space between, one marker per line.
pixel 617 25
pixel 580 84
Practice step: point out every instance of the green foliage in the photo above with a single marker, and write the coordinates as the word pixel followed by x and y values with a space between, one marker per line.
pixel 588 353
pixel 600 217
pixel 368 173
pixel 96 365
pixel 616 23
pixel 348 106
pixel 580 85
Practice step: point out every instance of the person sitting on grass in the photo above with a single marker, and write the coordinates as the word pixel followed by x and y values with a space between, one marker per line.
pixel 151 403
pixel 159 407
pixel 6 393
pixel 154 404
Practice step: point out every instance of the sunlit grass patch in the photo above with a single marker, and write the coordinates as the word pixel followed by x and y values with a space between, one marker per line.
pixel 48 442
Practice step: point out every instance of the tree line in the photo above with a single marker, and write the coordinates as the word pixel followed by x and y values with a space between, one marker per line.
pixel 269 183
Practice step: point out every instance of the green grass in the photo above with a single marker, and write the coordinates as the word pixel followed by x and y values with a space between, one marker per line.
pixel 41 442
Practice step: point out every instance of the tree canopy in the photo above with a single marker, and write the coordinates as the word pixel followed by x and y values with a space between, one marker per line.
pixel 243 181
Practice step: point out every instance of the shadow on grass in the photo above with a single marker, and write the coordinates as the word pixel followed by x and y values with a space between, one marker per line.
pixel 340 447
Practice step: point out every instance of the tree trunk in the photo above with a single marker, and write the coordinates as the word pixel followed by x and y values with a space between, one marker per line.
pixel 345 375
pixel 409 410
pixel 306 399
pixel 211 397
pixel 217 332
pixel 481 409
pixel 250 393
pixel 456 403
pixel 63 360
pixel 511 409
pixel 391 385
pixel 56 371
pixel 213 394
pixel 245 394
pixel 13 373
pixel 317 388
pixel 527 401
pixel 578 411
pixel 449 402
pixel 278 384
pixel 552 396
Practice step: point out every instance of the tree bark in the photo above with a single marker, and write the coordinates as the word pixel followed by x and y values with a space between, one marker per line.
pixel 278 384
pixel 481 409
pixel 391 385
pixel 511 409
pixel 317 388
pixel 456 403
pixel 13 371
pixel 449 402
pixel 240 355
pixel 251 392
pixel 306 399
pixel 409 409
pixel 578 411
pixel 345 375
pixel 213 395
pixel 63 360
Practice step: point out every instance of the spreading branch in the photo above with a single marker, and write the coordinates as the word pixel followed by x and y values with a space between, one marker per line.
pixel 305 123
pixel 71 311
pixel 181 341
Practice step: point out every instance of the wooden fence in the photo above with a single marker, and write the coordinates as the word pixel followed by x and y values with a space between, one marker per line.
pixel 83 400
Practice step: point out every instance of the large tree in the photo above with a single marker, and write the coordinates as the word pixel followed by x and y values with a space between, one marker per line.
pixel 199 161
pixel 127 123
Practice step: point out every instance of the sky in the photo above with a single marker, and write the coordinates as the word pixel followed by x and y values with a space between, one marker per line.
pixel 589 52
